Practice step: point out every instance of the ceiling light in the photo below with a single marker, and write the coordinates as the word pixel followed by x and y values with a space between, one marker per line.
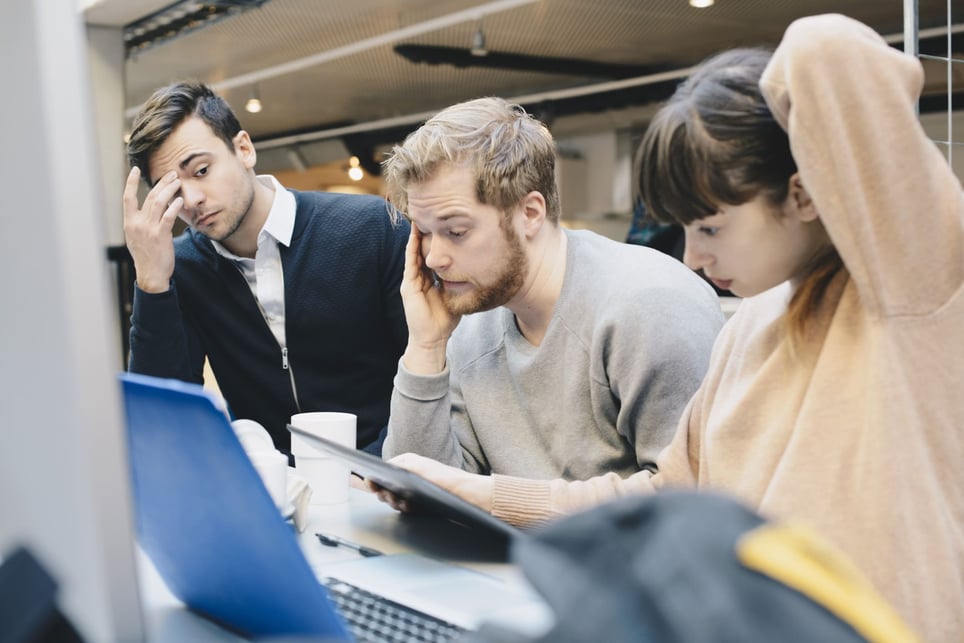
pixel 701 4
pixel 355 173
pixel 254 101
pixel 178 19
pixel 478 43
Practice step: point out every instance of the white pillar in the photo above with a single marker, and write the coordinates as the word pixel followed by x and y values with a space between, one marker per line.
pixel 105 54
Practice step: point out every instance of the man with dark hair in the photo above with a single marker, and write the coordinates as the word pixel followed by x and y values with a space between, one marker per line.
pixel 292 296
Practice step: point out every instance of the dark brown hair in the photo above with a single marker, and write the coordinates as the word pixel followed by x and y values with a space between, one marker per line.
pixel 166 109
pixel 716 142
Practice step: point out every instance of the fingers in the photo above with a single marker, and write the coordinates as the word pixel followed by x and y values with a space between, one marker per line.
pixel 413 256
pixel 391 500
pixel 148 229
pixel 357 482
pixel 170 214
pixel 416 271
pixel 162 198
pixel 130 191
pixel 387 496
pixel 160 201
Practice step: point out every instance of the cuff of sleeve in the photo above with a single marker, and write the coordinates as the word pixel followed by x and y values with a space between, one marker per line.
pixel 424 388
pixel 521 502
pixel 155 310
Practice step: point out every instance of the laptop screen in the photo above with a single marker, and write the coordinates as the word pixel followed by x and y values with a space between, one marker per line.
pixel 207 522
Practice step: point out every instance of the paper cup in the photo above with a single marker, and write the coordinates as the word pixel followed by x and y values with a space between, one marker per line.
pixel 328 477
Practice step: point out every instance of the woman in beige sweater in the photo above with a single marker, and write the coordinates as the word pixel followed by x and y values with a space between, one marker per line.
pixel 806 185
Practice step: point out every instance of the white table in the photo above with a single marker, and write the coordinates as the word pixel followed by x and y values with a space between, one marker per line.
pixel 363 520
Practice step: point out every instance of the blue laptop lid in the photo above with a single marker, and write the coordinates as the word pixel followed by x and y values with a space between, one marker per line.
pixel 207 522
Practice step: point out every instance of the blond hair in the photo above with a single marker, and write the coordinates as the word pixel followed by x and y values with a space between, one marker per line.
pixel 509 152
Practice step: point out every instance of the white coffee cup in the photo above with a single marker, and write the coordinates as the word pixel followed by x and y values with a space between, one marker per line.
pixel 327 476
pixel 272 466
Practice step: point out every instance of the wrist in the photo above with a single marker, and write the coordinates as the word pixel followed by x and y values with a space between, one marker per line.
pixel 153 286
pixel 477 489
pixel 425 359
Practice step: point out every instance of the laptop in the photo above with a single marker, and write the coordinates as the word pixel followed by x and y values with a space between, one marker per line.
pixel 208 524
pixel 422 496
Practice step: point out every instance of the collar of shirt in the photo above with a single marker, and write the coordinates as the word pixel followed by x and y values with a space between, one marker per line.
pixel 264 274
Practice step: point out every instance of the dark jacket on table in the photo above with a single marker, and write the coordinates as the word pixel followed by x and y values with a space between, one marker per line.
pixel 344 323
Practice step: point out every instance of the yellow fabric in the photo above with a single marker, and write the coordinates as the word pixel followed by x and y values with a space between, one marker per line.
pixel 797 557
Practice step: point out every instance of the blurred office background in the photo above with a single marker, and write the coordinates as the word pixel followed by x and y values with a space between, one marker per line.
pixel 325 87
pixel 335 80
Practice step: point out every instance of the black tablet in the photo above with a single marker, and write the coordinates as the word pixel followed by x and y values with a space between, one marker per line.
pixel 421 495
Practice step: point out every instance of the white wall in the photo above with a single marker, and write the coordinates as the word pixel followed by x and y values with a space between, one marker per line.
pixel 595 181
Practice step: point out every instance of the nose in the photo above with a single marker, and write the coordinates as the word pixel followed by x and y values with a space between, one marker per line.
pixel 192 195
pixel 695 255
pixel 435 254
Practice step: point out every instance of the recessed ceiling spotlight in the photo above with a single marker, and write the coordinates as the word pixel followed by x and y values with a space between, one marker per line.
pixel 254 102
pixel 355 173
pixel 701 4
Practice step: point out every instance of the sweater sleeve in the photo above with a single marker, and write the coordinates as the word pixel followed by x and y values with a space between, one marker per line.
pixel 429 418
pixel 529 503
pixel 162 343
pixel 847 101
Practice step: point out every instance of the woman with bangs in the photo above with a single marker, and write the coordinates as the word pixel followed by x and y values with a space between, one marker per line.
pixel 806 185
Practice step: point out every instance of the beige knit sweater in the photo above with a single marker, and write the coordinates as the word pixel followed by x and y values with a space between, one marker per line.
pixel 861 433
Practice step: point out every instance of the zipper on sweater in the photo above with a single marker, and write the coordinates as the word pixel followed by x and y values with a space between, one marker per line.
pixel 286 365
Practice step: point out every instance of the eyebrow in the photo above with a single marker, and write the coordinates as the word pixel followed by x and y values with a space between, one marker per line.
pixel 190 157
pixel 442 218
pixel 454 215
pixel 183 164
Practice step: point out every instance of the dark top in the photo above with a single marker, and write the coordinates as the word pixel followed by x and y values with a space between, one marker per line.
pixel 344 323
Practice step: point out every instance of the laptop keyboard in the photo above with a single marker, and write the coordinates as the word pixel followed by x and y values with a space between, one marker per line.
pixel 376 619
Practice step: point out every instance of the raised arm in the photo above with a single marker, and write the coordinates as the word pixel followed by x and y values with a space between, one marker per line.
pixel 426 409
pixel 161 343
pixel 847 102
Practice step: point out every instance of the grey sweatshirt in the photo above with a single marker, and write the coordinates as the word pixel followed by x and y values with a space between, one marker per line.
pixel 627 346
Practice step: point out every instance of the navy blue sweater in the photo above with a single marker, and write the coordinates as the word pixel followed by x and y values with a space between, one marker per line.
pixel 344 323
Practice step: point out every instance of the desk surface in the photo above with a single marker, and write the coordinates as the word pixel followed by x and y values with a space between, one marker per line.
pixel 363 520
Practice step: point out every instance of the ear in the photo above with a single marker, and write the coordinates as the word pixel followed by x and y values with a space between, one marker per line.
pixel 533 212
pixel 244 149
pixel 800 202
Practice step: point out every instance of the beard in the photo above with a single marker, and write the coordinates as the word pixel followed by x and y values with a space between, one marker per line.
pixel 497 293
pixel 231 218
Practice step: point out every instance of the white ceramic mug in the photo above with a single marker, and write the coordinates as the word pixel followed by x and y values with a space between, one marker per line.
pixel 328 477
